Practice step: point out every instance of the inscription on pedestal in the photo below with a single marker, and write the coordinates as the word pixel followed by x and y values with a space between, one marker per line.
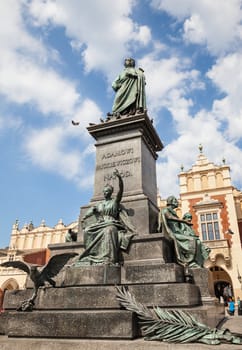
pixel 124 155
pixel 119 159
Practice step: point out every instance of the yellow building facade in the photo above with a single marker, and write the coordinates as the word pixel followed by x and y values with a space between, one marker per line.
pixel 207 193
pixel 31 241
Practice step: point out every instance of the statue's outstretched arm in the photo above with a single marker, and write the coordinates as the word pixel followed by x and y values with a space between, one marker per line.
pixel 121 186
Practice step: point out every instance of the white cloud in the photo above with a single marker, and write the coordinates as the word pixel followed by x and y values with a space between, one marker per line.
pixel 88 111
pixel 24 76
pixel 52 148
pixel 143 35
pixel 215 23
pixel 13 33
pixel 168 82
pixel 102 52
pixel 226 75
pixel 194 29
pixel 46 148
pixel 44 12
pixel 22 81
pixel 202 128
pixel 45 151
pixel 27 77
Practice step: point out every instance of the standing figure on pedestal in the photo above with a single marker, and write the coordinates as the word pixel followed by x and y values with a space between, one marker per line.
pixel 189 249
pixel 106 229
pixel 130 90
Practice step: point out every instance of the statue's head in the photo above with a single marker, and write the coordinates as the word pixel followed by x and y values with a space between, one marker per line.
pixel 129 62
pixel 107 191
pixel 187 217
pixel 171 200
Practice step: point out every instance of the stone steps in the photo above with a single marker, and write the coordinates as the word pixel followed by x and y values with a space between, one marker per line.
pixel 118 324
pixel 84 304
pixel 92 311
pixel 91 324
pixel 104 297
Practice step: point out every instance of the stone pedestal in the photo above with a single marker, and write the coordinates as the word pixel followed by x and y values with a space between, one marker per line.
pixel 83 324
pixel 201 279
pixel 129 144
pixel 84 305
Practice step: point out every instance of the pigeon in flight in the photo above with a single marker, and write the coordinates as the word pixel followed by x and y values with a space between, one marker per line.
pixel 75 123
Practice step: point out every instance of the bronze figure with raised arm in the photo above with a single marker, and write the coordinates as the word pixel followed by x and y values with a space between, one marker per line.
pixel 106 233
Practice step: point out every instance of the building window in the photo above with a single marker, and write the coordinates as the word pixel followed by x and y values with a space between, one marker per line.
pixel 209 226
pixel 11 257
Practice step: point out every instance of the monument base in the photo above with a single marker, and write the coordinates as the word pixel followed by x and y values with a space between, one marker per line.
pixel 84 304
pixel 107 324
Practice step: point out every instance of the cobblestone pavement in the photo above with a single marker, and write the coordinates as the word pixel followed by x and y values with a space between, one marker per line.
pixel 233 323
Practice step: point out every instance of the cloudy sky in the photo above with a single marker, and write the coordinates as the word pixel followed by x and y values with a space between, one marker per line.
pixel 58 60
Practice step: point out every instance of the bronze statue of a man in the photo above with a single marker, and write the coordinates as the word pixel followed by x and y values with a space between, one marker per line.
pixel 189 249
pixel 130 90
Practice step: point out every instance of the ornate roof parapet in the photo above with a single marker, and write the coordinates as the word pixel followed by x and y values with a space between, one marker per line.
pixel 43 223
pixel 204 175
pixel 59 225
pixel 15 227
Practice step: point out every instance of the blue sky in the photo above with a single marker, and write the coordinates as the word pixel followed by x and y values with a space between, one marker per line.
pixel 58 60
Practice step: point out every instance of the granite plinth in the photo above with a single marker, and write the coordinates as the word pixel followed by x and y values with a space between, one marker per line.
pixel 152 272
pixel 151 246
pixel 142 247
pixel 96 274
pixel 13 298
pixel 104 297
pixel 71 298
pixel 170 295
pixel 201 277
pixel 83 324
pixel 70 247
pixel 85 275
pixel 144 213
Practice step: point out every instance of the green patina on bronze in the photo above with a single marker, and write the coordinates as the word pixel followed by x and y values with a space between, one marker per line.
pixel 40 275
pixel 173 326
pixel 107 229
pixel 130 90
pixel 190 251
